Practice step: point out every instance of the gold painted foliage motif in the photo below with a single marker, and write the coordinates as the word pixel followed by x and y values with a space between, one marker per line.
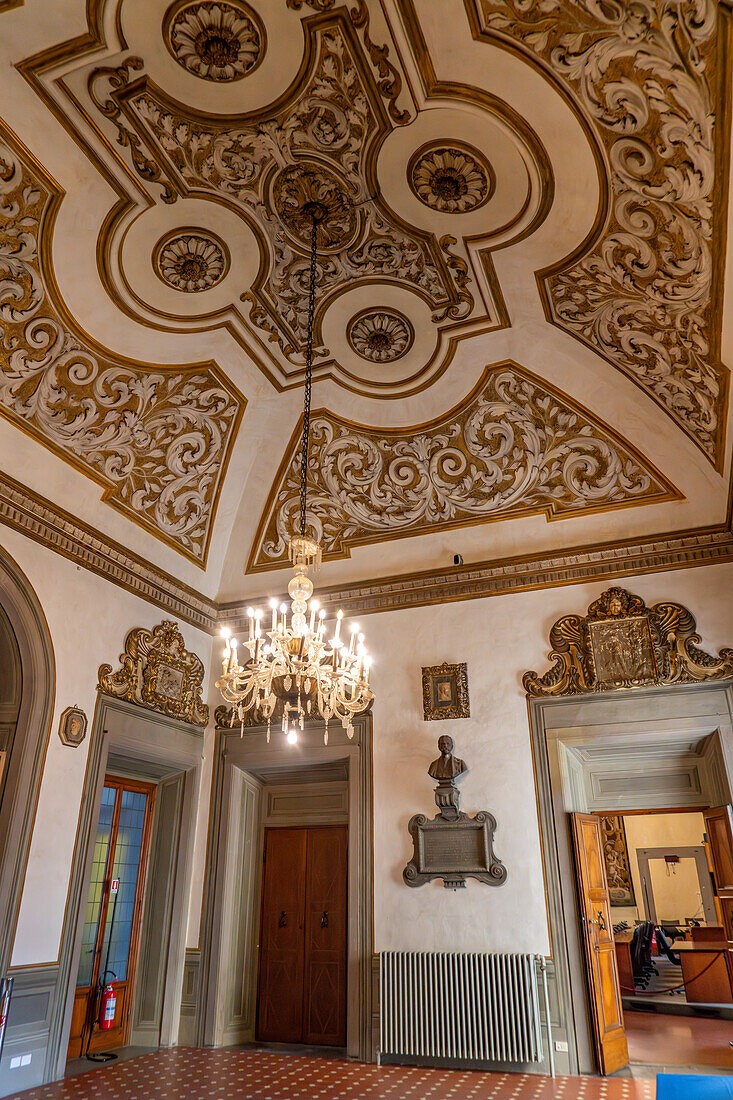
pixel 514 447
pixel 314 148
pixel 156 439
pixel 645 73
pixel 622 643
pixel 158 672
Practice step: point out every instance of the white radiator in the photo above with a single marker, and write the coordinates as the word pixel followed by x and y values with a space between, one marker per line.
pixel 474 1007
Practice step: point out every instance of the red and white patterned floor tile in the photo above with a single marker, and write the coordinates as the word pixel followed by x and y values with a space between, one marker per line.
pixel 189 1074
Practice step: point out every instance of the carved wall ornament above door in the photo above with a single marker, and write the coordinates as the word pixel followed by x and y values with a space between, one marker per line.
pixel 159 673
pixel 514 447
pixel 622 643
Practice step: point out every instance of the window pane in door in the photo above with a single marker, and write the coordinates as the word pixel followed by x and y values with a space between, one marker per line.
pixel 99 864
pixel 126 867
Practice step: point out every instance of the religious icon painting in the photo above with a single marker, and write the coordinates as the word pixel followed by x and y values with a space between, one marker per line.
pixel 445 692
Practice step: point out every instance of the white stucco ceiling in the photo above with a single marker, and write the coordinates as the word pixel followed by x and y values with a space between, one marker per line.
pixel 129 157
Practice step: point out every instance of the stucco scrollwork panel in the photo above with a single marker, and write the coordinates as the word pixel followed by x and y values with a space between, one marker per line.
pixel 515 446
pixel 643 295
pixel 157 439
pixel 317 147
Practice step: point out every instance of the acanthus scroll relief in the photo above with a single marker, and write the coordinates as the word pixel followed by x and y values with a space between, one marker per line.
pixel 315 148
pixel 156 438
pixel 643 296
pixel 514 447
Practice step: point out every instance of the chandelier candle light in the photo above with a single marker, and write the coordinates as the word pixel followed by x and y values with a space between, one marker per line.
pixel 293 663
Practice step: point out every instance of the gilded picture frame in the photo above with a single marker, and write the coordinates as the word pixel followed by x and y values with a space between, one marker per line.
pixel 73 726
pixel 445 692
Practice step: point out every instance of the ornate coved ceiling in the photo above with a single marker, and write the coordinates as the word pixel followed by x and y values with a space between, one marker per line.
pixel 513 447
pixel 521 267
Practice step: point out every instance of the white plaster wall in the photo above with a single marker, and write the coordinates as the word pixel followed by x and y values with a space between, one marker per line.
pixel 88 619
pixel 500 638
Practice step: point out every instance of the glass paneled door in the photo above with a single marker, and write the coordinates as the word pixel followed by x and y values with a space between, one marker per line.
pixel 112 917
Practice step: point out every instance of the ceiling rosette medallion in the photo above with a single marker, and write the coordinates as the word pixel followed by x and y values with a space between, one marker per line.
pixel 642 291
pixel 157 438
pixel 514 447
pixel 158 672
pixel 380 335
pixel 454 179
pixel 321 139
pixel 191 261
pixel 219 40
pixel 622 643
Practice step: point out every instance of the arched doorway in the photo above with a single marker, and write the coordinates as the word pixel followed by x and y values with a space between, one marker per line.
pixel 26 699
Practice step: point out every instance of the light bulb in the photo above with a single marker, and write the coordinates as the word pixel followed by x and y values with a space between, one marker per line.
pixel 273 602
pixel 283 608
pixel 292 737
pixel 258 614
pixel 250 612
pixel 314 605
pixel 322 613
pixel 225 632
pixel 354 628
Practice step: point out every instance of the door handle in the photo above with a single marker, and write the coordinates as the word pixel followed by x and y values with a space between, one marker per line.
pixel 283 920
pixel 601 922
pixel 324 919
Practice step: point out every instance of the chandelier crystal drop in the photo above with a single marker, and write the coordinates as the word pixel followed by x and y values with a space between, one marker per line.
pixel 292 667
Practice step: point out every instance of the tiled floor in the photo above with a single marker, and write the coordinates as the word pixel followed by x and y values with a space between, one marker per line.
pixel 662 1039
pixel 186 1074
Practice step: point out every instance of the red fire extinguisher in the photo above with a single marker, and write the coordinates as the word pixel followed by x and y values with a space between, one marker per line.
pixel 107 1006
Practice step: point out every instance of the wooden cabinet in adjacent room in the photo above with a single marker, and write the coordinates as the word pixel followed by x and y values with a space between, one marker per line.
pixel 302 978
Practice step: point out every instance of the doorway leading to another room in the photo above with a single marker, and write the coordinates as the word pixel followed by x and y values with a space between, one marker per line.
pixel 670 936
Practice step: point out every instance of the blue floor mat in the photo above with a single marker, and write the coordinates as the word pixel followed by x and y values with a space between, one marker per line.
pixel 675 1086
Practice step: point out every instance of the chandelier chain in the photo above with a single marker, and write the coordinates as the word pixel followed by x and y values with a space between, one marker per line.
pixel 308 376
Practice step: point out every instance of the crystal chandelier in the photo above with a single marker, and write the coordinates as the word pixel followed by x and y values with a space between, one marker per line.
pixel 293 664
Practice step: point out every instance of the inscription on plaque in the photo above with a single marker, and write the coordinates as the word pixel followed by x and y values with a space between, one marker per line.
pixel 460 848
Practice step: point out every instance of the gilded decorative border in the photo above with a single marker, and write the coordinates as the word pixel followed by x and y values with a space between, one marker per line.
pixel 148 435
pixel 514 446
pixel 643 236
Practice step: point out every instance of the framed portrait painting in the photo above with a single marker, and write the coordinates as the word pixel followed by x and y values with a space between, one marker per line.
pixel 445 692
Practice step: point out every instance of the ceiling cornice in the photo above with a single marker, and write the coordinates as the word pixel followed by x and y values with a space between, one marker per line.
pixel 56 529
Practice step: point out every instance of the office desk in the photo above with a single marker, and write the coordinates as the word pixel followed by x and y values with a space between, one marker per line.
pixel 714 986
pixel 622 942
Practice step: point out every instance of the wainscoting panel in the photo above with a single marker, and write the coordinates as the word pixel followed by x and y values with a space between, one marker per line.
pixel 29 1024
pixel 190 998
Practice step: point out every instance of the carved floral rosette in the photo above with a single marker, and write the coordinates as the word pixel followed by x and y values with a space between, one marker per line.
pixel 622 643
pixel 159 673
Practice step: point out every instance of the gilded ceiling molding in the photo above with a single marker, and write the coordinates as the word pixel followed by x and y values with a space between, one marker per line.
pixel 514 447
pixel 191 260
pixel 525 573
pixel 51 526
pixel 156 438
pixel 622 643
pixel 40 519
pixel 319 144
pixel 8 5
pixel 645 290
pixel 159 673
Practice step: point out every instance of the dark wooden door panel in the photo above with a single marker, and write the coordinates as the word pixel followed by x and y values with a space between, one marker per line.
pixel 302 980
pixel 325 940
pixel 280 1001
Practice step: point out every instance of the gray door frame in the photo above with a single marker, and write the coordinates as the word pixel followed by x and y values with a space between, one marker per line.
pixel 154 746
pixel 25 767
pixel 235 759
pixel 696 852
pixel 642 716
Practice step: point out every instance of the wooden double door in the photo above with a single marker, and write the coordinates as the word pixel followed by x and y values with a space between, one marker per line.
pixel 302 975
